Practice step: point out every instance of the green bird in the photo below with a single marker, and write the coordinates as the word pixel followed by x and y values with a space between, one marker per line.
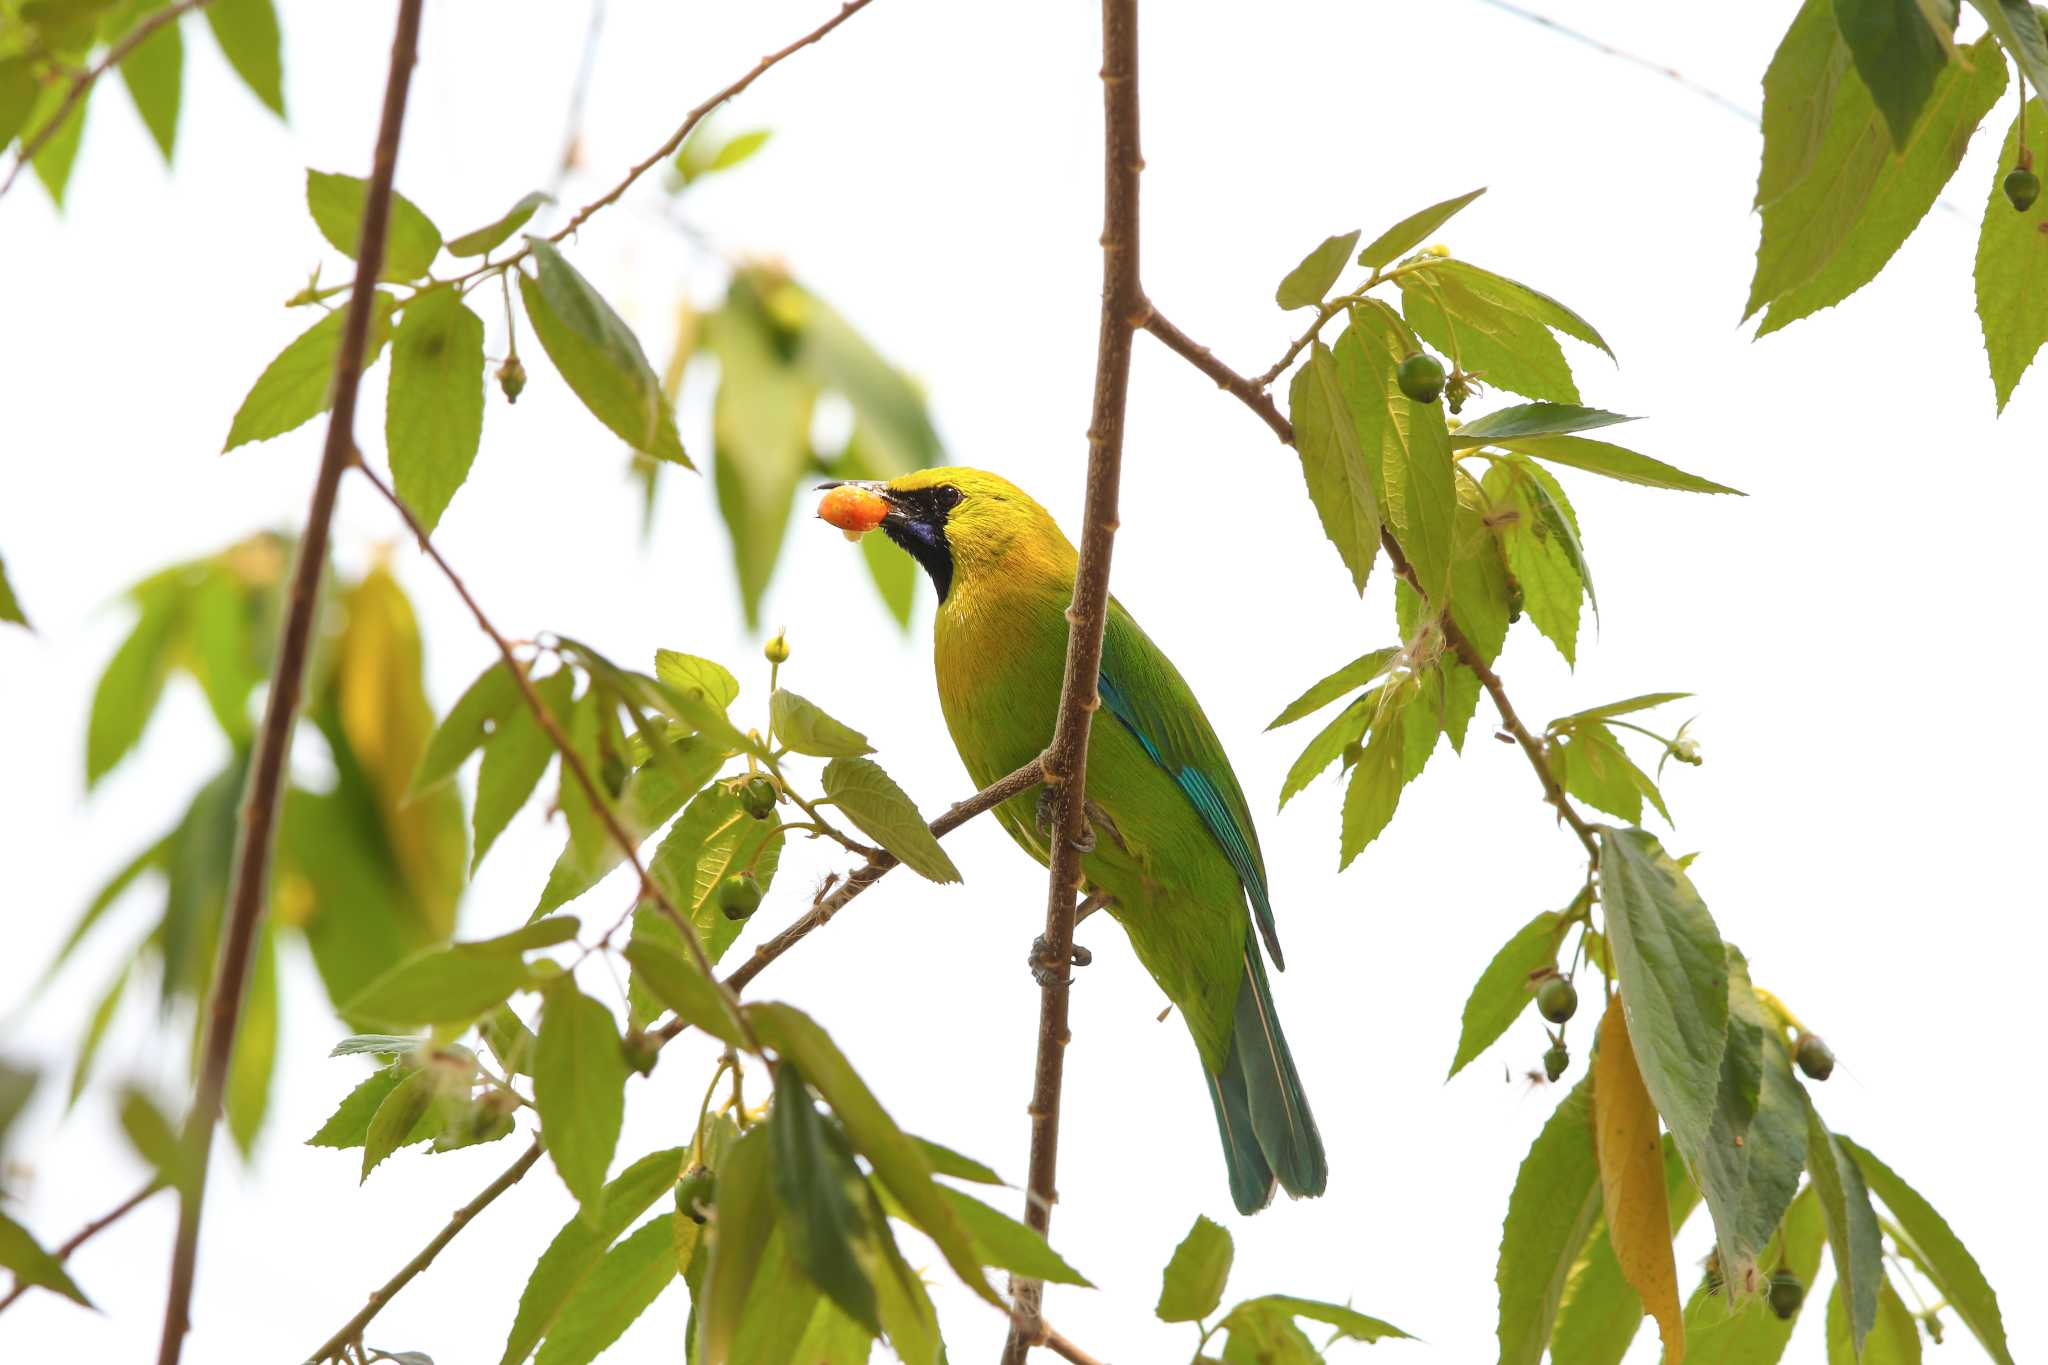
pixel 1173 844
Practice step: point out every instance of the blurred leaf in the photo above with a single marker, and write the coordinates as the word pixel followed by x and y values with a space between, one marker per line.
pixel 1263 1333
pixel 880 809
pixel 18 89
pixel 440 986
pixel 1627 707
pixel 248 36
pixel 399 1117
pixel 579 1083
pixel 945 1161
pixel 577 1249
pixel 1502 991
pixel 10 605
pixel 1753 1334
pixel 599 357
pixel 2012 266
pixel 469 724
pixel 813 1173
pixel 255 1050
pixel 510 1040
pixel 154 73
pixel 377 1045
pixel 746 1218
pixel 1419 500
pixel 1940 1253
pixel 493 235
pixel 1196 1274
pixel 59 152
pixel 131 686
pixel 1632 1178
pixel 1306 284
pixel 1350 1325
pixel 892 426
pixel 89 1045
pixel 1601 1313
pixel 411 241
pixel 32 1265
pixel 704 153
pixel 1555 1202
pixel 515 757
pixel 761 424
pixel 153 1136
pixel 1853 1236
pixel 679 985
pixel 1412 231
pixel 1599 457
pixel 434 404
pixel 298 385
pixel 1329 437
pixel 1355 674
pixel 803 727
pixel 629 1278
pixel 1897 55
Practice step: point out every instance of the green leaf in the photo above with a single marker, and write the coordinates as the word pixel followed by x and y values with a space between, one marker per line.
pixel 544 933
pixel 1006 1244
pixel 18 90
pixel 131 686
pixel 2018 28
pixel 739 148
pixel 1261 1333
pixel 1601 1313
pixel 1412 231
pixel 398 1117
pixel 1484 332
pixel 515 757
pixel 945 1161
pixel 1355 674
pixel 438 986
pixel 1896 54
pixel 652 797
pixel 1327 436
pixel 579 1084
pixel 493 235
pixel 1419 498
pixel 1542 564
pixel 349 1125
pixel 510 1040
pixel 20 1253
pixel 2012 267
pixel 1350 1325
pixel 761 430
pixel 248 36
pixel 598 356
pixel 1502 991
pixel 411 241
pixel 298 385
pixel 622 1286
pixel 477 714
pixel 10 605
pixel 813 1174
pixel 254 1057
pixel 1306 284
pixel 1196 1275
pixel 1532 419
pixel 1555 1202
pixel 1894 1337
pixel 1598 772
pixel 686 671
pixel 1854 1239
pixel 1376 782
pixel 880 809
pixel 746 1218
pixel 1764 1168
pixel 1900 189
pixel 377 1045
pixel 1599 457
pixel 714 839
pixel 1612 709
pixel 154 72
pixel 1799 95
pixel 1344 730
pixel 1514 296
pixel 679 985
pixel 95 1033
pixel 59 153
pixel 1672 970
pixel 804 728
pixel 1718 1333
pixel 434 405
pixel 578 1247
pixel 1940 1254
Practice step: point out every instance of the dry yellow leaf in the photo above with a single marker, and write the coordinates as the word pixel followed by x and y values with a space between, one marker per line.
pixel 1632 1180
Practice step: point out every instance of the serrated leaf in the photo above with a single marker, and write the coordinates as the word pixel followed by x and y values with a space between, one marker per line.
pixel 469 724
pixel 349 1124
pixel 434 403
pixel 1502 344
pixel 1413 230
pixel 2018 27
pixel 154 72
pixel 686 671
pixel 1854 1240
pixel 1351 1325
pixel 398 1117
pixel 298 385
pixel 1376 782
pixel 1896 54
pixel 1542 566
pixel 515 757
pixel 813 1174
pixel 1502 991
pixel 598 356
pixel 1894 1337
pixel 880 809
pixel 579 1083
pixel 652 797
pixel 491 236
pixel 1351 676
pixel 1197 1273
pixel 1306 284
pixel 1555 1202
pixel 1532 419
pixel 715 839
pixel 247 32
pixel 1327 437
pixel 1601 457
pixel 411 241
pixel 803 727
pixel 680 986
pixel 1416 484
pixel 1345 729
pixel 1632 1179
pixel 618 1290
pixel 2012 266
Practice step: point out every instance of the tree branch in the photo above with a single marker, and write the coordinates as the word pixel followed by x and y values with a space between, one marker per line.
pixel 1252 393
pixel 32 145
pixel 251 874
pixel 1066 759
pixel 88 1232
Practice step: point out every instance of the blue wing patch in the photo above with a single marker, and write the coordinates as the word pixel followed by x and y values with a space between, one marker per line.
pixel 1209 804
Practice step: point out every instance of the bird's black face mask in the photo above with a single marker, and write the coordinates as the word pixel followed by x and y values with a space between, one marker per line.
pixel 917 523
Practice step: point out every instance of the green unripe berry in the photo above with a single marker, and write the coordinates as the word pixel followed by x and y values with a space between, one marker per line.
pixel 1786 1294
pixel 777 649
pixel 1815 1058
pixel 641 1051
pixel 739 897
pixel 1421 377
pixel 695 1192
pixel 2022 187
pixel 512 378
pixel 1557 999
pixel 1555 1061
pixel 757 796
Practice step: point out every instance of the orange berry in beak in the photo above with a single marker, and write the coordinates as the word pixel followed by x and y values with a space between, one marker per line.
pixel 853 510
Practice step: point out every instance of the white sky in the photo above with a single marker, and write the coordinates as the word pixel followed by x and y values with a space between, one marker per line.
pixel 1854 628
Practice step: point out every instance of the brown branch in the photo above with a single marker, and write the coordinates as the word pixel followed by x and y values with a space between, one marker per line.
pixel 33 145
pixel 88 1232
pixel 1066 759
pixel 1063 1348
pixel 350 1335
pixel 676 139
pixel 1252 393
pixel 251 877
pixel 572 762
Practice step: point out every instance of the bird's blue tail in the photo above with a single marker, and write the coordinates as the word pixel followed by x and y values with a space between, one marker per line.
pixel 1268 1132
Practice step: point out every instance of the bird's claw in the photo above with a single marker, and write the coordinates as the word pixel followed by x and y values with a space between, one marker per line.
pixel 1044 970
pixel 1083 842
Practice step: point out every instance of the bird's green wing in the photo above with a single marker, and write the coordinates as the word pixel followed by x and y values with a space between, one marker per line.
pixel 1144 691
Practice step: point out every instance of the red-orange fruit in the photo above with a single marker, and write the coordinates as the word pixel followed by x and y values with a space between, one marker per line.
pixel 853 510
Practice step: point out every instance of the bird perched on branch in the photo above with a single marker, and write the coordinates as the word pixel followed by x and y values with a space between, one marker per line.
pixel 1171 841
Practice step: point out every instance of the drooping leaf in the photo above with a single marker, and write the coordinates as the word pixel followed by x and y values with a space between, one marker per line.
pixel 1854 1240
pixel 760 429
pixel 814 1174
pixel 298 385
pixel 59 152
pixel 154 72
pixel 1196 1274
pixel 2012 266
pixel 491 236
pixel 746 1218
pixel 1601 457
pixel 18 90
pixel 1344 730
pixel 1376 782
pixel 679 985
pixel 1799 93
pixel 1632 1179
pixel 1306 284
pixel 1353 675
pixel 879 809
pixel 1263 1333
pixel 1601 1314
pixel 1327 437
pixel 247 32
pixel 1896 54
pixel 621 1287
pixel 579 1083
pixel 1413 230
pixel 399 1116
pixel 946 1161
pixel 1419 499
pixel 1532 419
pixel 411 241
pixel 1894 1337
pixel 1502 991
pixel 469 724
pixel 804 728
pixel 1555 1202
pixel 349 1125
pixel 434 404
pixel 598 356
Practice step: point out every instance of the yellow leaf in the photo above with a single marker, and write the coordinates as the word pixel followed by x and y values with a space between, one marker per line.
pixel 1632 1180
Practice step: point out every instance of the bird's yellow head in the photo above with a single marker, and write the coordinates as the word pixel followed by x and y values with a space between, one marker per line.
pixel 963 525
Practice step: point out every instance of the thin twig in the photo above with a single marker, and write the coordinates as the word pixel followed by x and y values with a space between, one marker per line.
pixel 250 884
pixel 88 1232
pixel 1058 1344
pixel 572 762
pixel 350 1335
pixel 1253 395
pixel 32 145
pixel 1066 759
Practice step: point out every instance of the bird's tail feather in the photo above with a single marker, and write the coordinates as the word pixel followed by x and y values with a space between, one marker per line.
pixel 1259 1089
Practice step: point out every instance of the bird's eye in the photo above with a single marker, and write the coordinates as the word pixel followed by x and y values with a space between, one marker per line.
pixel 949 497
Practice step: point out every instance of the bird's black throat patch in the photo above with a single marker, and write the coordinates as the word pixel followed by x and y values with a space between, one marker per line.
pixel 917 522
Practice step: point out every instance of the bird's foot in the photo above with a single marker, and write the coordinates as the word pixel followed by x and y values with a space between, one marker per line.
pixel 1044 970
pixel 1047 814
